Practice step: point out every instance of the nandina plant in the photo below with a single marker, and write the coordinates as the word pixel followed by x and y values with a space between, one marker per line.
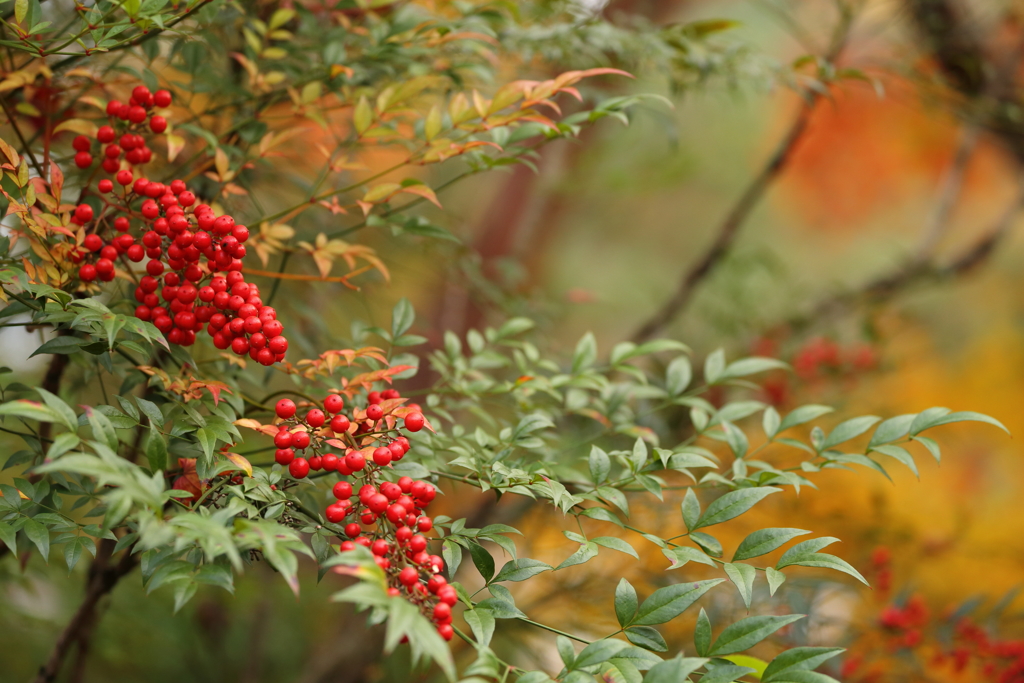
pixel 129 190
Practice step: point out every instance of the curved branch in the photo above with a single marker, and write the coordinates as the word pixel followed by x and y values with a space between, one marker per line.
pixel 734 220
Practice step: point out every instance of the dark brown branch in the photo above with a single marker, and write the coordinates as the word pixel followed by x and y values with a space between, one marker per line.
pixel 102 578
pixel 915 272
pixel 751 197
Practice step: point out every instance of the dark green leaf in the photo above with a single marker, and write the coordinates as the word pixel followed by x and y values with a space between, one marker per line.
pixel 691 509
pixel 764 541
pixel 733 504
pixel 521 569
pixel 646 637
pixel 743 576
pixel 674 670
pixel 625 602
pixel 798 658
pixel 748 632
pixel 62 345
pixel 39 535
pixel 482 560
pixel 702 634
pixel 669 602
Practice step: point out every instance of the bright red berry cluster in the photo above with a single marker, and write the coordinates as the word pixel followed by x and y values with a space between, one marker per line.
pixel 188 245
pixel 389 509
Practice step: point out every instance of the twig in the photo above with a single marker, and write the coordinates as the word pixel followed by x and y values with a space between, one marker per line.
pixel 914 271
pixel 102 579
pixel 734 220
pixel 949 193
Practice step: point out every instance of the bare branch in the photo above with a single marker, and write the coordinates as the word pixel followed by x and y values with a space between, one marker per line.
pixel 734 220
pixel 101 580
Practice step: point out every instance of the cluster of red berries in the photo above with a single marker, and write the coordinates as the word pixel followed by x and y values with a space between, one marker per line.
pixel 389 510
pixel 131 146
pixel 187 245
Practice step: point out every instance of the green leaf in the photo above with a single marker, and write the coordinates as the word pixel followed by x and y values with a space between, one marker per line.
pixel 804 677
pixel 900 454
pixel 597 652
pixel 40 536
pixel 680 555
pixel 600 465
pixel 61 345
pixel 30 410
pixel 736 439
pixel 208 441
pixel 764 541
pixel 101 428
pixel 775 579
pixel 63 411
pixel 803 415
pixel 566 651
pixel 62 443
pixel 798 659
pixel 930 444
pixel 707 543
pixel 733 504
pixel 521 569
pixel 810 546
pixel 824 561
pixel 691 509
pixel 743 576
pixel 725 673
pixel 674 670
pixel 151 410
pixel 482 560
pixel 646 637
pixel 702 633
pixel 402 318
pixel 481 621
pixel 850 429
pixel 9 536
pixel 714 365
pixel 961 416
pixel 771 421
pixel 678 375
pixel 625 602
pixel 669 602
pixel 587 552
pixel 751 366
pixel 72 553
pixel 756 664
pixel 156 450
pixel 891 429
pixel 748 632
pixel 614 543
pixel 585 354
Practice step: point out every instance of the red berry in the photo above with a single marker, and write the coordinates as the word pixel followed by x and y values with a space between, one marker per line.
pixel 382 456
pixel 335 513
pixel 136 114
pixel 417 544
pixel 378 503
pixel 105 134
pixel 158 124
pixel 124 177
pixel 300 439
pixel 105 185
pixel 395 513
pixel 81 143
pixel 315 417
pixel 285 408
pixel 397 452
pixel 240 345
pixel 446 631
pixel 333 403
pixel 83 160
pixel 352 530
pixel 299 468
pixel 339 424
pixel 315 463
pixel 442 611
pixel 277 344
pixel 87 273
pixel 414 422
pixel 355 461
pixel 342 490
pixel 330 462
pixel 283 439
pixel 284 456
pixel 374 412
pixel 409 576
pixel 162 98
pixel 380 547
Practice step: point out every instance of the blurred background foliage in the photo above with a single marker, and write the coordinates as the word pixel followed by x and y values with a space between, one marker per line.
pixel 905 162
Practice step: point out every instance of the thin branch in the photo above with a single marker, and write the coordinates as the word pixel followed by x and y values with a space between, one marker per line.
pixel 915 271
pixel 101 580
pixel 734 220
pixel 949 193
